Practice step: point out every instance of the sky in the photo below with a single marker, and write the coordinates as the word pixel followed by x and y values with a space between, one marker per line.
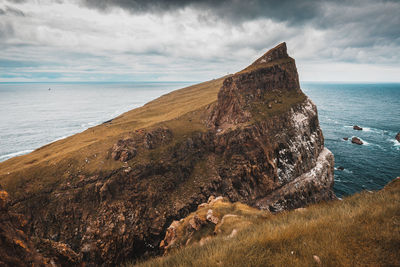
pixel 145 40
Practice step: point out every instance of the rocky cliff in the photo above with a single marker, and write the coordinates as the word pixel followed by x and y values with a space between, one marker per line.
pixel 16 248
pixel 252 137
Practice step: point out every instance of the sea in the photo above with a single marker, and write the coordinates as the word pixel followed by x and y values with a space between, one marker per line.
pixel 35 114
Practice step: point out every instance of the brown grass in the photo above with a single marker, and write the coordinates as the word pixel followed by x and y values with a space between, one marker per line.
pixel 86 152
pixel 361 230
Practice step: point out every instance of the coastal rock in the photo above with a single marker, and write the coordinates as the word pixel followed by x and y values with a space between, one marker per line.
pixel 358 128
pixel 340 168
pixel 345 138
pixel 235 147
pixel 398 137
pixel 211 218
pixel 356 140
pixel 127 148
pixel 220 218
pixel 16 248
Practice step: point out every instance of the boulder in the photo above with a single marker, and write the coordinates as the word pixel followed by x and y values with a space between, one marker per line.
pixel 211 218
pixel 340 168
pixel 398 136
pixel 358 128
pixel 317 259
pixel 345 138
pixel 356 140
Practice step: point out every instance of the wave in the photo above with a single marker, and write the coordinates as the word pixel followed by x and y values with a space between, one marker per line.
pixel 396 144
pixel 11 155
pixel 344 170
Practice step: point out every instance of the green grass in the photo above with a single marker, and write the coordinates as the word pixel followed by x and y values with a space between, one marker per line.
pixel 361 230
pixel 285 101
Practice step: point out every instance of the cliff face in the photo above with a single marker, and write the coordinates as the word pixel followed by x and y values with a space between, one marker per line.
pixel 259 143
pixel 16 248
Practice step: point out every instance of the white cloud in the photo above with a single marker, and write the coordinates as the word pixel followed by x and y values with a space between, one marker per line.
pixel 78 43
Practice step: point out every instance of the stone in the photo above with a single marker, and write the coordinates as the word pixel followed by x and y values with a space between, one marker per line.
pixel 398 137
pixel 356 140
pixel 340 168
pixel 196 222
pixel 170 236
pixel 358 128
pixel 317 259
pixel 345 138
pixel 233 233
pixel 211 218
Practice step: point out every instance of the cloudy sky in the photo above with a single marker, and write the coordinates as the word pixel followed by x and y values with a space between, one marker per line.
pixel 144 40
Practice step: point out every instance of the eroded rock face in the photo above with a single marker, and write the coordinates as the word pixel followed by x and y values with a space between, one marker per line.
pixel 126 149
pixel 217 217
pixel 16 248
pixel 262 145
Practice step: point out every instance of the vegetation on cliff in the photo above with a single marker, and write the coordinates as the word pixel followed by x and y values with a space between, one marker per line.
pixel 361 230
pixel 109 193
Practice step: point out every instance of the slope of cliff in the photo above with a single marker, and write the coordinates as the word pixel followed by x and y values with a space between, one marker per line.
pixel 361 230
pixel 110 192
pixel 16 248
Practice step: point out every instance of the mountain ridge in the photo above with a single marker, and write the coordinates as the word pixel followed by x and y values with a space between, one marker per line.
pixel 110 192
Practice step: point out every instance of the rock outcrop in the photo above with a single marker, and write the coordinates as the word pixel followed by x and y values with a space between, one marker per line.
pixel 260 143
pixel 357 128
pixel 356 140
pixel 16 248
pixel 216 217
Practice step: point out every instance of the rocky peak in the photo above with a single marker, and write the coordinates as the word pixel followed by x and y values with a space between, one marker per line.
pixel 276 53
pixel 259 144
pixel 268 85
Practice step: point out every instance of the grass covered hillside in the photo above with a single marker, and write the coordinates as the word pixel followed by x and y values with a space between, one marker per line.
pixel 361 230
pixel 86 152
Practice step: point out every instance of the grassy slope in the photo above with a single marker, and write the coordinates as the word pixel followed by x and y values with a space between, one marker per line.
pixel 362 230
pixel 47 165
pixel 87 153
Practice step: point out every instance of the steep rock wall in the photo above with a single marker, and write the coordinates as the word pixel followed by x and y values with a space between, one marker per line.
pixel 261 144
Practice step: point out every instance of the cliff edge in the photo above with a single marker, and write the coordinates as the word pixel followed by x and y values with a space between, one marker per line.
pixel 111 192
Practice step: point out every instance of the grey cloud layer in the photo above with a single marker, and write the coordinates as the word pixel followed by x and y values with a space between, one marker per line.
pixel 198 38
pixel 233 10
pixel 367 20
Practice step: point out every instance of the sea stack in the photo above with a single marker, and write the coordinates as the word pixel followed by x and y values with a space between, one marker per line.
pixel 356 140
pixel 110 193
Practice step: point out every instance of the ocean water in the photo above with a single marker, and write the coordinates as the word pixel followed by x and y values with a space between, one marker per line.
pixel 31 116
pixel 375 108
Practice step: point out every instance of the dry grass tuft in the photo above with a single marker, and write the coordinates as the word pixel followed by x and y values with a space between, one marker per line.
pixel 361 230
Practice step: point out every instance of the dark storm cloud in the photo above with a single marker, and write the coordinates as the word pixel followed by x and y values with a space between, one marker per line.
pixel 376 18
pixel 14 11
pixel 234 11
